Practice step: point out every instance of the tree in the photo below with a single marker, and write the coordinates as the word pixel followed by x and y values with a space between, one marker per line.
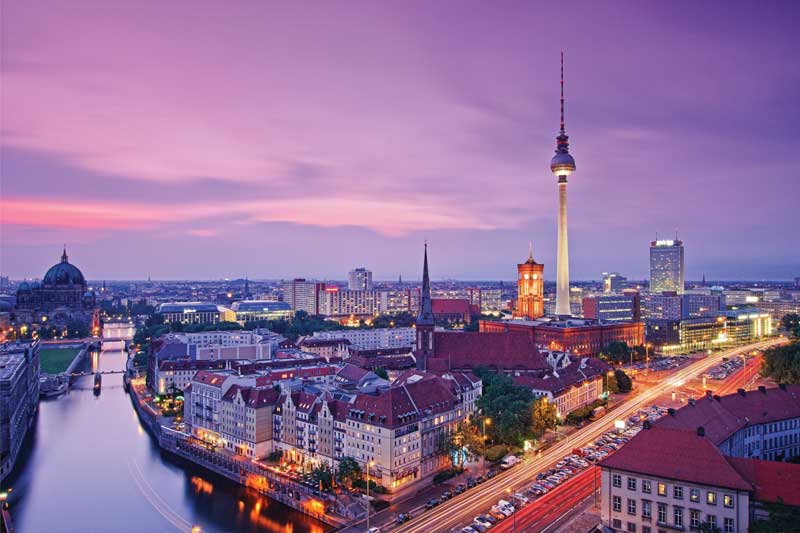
pixel 323 476
pixel 381 373
pixel 791 323
pixel 544 417
pixel 616 352
pixel 349 470
pixel 623 382
pixel 782 363
pixel 509 408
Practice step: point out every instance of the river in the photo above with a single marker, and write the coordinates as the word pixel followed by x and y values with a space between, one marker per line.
pixel 90 466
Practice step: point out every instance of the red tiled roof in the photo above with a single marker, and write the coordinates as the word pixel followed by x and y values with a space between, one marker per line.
pixel 724 417
pixel 391 408
pixel 450 306
pixel 677 454
pixel 575 374
pixel 351 373
pixel 389 362
pixel 210 378
pixel 507 351
pixel 773 481
pixel 253 397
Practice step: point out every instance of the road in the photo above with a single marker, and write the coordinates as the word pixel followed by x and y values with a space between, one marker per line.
pixel 459 511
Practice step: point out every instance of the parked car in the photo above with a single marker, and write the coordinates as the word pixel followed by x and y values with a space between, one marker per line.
pixel 468 530
pixel 478 527
pixel 403 518
pixel 507 505
pixel 432 503
pixel 471 482
pixel 521 497
pixel 460 488
pixel 488 518
pixel 496 513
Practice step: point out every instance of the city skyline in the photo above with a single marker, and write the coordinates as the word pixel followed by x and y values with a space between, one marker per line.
pixel 203 164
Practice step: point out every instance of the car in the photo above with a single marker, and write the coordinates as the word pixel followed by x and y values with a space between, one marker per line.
pixel 478 527
pixel 480 479
pixel 560 464
pixel 540 476
pixel 471 482
pixel 445 496
pixel 549 485
pixel 496 513
pixel 491 473
pixel 374 530
pixel 487 518
pixel 521 497
pixel 432 503
pixel 468 530
pixel 507 505
pixel 460 488
pixel 403 518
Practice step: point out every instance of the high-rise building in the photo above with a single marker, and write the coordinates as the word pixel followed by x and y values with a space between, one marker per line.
pixel 562 165
pixel 303 295
pixel 666 266
pixel 612 282
pixel 530 289
pixel 612 307
pixel 336 302
pixel 359 279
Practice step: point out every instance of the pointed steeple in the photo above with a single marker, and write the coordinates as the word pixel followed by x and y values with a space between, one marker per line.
pixel 531 260
pixel 64 255
pixel 425 316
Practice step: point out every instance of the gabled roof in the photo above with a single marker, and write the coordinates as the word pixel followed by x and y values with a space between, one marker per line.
pixel 723 416
pixel 773 481
pixel 351 373
pixel 391 408
pixel 507 351
pixel 677 454
pixel 253 397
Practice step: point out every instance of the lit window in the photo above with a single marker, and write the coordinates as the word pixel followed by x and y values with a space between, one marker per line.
pixel 727 500
pixel 711 498
pixel 694 495
pixel 662 489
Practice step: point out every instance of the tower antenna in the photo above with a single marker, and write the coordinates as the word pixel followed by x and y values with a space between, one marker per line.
pixel 562 91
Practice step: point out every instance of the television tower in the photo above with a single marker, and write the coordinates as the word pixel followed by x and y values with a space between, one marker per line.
pixel 562 165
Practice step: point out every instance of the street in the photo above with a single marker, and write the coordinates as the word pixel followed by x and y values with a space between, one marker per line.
pixel 458 512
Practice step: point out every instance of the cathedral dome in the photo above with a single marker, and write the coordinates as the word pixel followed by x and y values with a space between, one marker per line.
pixel 63 273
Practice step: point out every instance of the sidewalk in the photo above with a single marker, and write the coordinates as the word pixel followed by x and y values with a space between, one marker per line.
pixel 414 500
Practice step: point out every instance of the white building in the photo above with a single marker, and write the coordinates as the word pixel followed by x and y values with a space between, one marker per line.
pixel 336 302
pixel 196 313
pixel 359 279
pixel 372 339
pixel 302 295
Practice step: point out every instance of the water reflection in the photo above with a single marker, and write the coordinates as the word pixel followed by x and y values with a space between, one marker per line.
pixel 92 467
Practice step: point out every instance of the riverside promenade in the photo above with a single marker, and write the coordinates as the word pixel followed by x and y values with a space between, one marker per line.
pixel 262 478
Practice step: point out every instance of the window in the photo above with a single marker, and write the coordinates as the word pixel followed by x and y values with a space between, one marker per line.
pixel 647 486
pixel 662 489
pixel 729 525
pixel 646 529
pixel 631 483
pixel 617 503
pixel 712 520
pixel 727 501
pixel 694 518
pixel 631 506
pixel 711 498
pixel 677 492
pixel 617 523
pixel 631 527
pixel 694 495
pixel 646 509
pixel 662 513
pixel 616 480
pixel 677 515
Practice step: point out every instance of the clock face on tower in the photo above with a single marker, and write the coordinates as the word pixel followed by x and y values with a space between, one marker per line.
pixel 535 276
pixel 526 276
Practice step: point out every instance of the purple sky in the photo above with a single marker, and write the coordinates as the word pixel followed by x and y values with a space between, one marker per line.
pixel 192 140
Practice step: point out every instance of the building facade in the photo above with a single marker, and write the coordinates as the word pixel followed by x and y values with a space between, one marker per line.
pixel 612 307
pixel 359 279
pixel 341 303
pixel 530 289
pixel 666 266
pixel 373 338
pixel 251 310
pixel 196 313
pixel 63 296
pixel 19 399
pixel 303 295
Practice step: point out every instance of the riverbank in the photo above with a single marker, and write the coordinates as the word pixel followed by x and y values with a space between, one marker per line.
pixel 247 473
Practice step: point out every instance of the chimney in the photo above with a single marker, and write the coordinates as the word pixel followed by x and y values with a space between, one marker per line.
pixel 701 431
pixel 708 394
pixel 671 411
pixel 762 389
pixel 741 391
pixel 691 402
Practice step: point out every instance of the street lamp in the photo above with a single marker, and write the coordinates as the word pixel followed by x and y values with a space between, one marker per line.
pixel 647 357
pixel 514 525
pixel 369 504
pixel 486 421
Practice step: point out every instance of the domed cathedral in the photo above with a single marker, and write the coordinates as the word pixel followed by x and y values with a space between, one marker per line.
pixel 60 298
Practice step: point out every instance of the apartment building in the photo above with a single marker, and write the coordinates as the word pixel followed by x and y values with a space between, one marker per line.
pixel 373 338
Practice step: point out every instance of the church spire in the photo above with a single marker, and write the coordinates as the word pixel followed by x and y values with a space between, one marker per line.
pixel 425 316
pixel 64 255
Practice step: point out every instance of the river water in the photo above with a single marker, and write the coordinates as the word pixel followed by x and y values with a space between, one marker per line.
pixel 89 466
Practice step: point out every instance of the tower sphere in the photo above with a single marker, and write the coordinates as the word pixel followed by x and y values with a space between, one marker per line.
pixel 562 164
